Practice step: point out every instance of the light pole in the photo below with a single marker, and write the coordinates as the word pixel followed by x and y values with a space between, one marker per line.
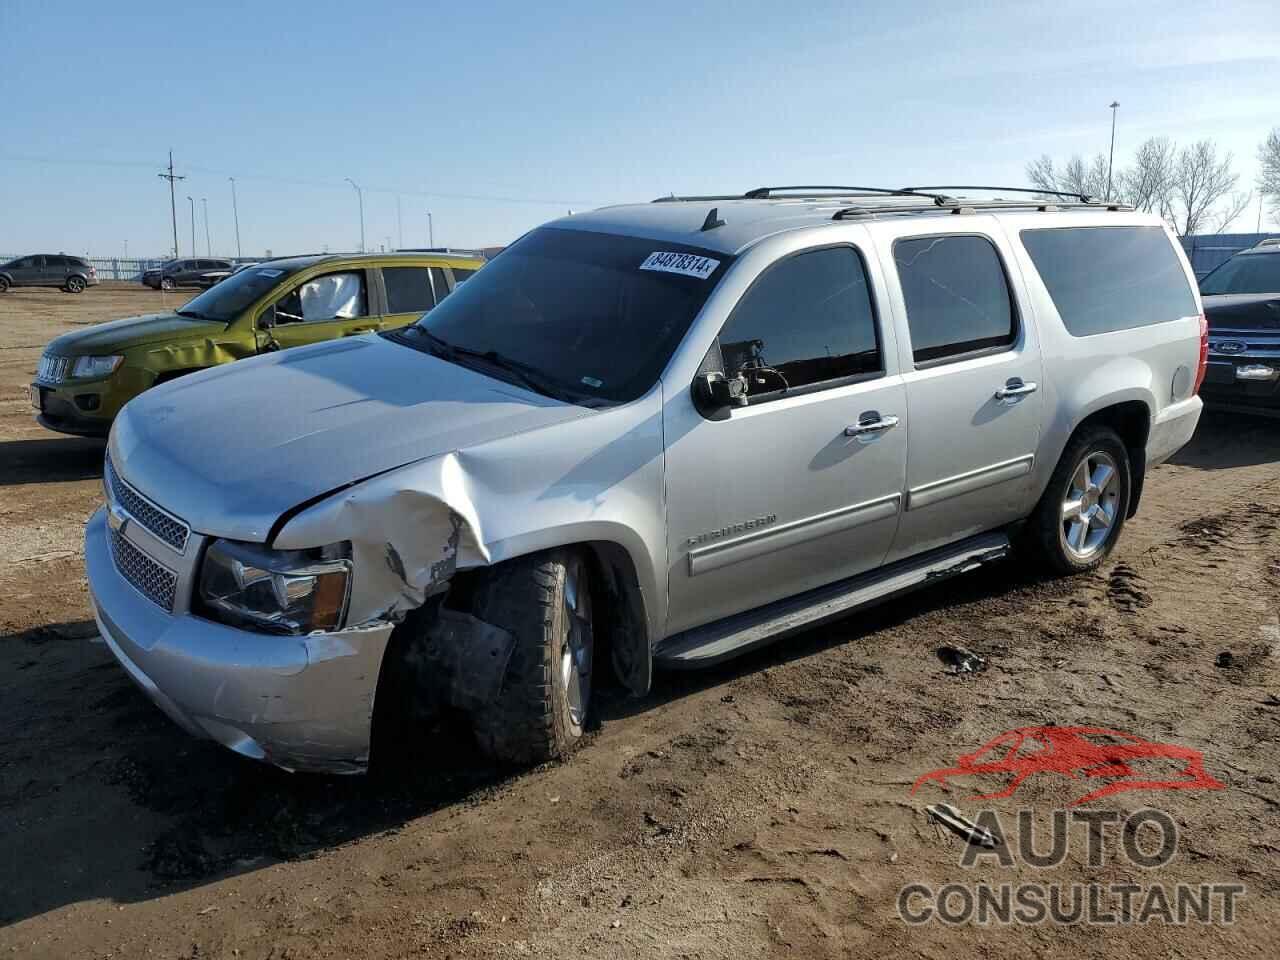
pixel 431 231
pixel 399 224
pixel 1114 105
pixel 208 247
pixel 193 225
pixel 360 198
pixel 235 212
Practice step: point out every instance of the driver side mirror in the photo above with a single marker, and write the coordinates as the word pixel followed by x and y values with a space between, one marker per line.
pixel 267 319
pixel 713 392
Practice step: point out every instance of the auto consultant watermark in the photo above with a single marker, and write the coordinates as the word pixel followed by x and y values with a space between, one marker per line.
pixel 1147 839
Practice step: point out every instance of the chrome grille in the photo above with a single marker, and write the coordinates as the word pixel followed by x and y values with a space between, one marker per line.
pixel 52 369
pixel 153 581
pixel 165 527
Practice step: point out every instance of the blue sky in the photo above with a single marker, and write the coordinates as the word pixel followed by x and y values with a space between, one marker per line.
pixel 497 116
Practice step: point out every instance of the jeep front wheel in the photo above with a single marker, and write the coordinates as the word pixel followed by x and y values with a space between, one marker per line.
pixel 544 601
pixel 1079 518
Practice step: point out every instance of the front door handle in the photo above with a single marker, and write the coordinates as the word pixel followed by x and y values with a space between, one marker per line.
pixel 1016 387
pixel 870 423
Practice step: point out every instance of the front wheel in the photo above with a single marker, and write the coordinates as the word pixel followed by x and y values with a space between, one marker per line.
pixel 1079 518
pixel 75 285
pixel 4 284
pixel 545 602
pixel 166 283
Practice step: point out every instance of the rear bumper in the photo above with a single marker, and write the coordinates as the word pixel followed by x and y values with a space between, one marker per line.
pixel 1172 429
pixel 1243 380
pixel 301 703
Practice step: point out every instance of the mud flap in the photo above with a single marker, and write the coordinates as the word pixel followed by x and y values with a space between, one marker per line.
pixel 467 657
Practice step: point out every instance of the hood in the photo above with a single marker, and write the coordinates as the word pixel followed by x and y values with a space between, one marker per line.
pixel 1250 311
pixel 232 448
pixel 107 338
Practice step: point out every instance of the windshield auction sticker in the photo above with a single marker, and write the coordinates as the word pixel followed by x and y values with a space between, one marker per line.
pixel 1125 850
pixel 688 264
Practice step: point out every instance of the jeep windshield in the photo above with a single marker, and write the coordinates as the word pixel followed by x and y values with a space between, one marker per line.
pixel 226 301
pixel 587 317
pixel 1252 273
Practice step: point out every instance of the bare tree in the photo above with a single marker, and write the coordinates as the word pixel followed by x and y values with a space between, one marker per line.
pixel 1147 185
pixel 1075 176
pixel 1202 181
pixel 1269 175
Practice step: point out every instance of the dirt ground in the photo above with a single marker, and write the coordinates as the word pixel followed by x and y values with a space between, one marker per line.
pixel 762 809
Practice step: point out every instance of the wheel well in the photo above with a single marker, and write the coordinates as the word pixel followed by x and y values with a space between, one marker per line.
pixel 622 625
pixel 168 375
pixel 1132 421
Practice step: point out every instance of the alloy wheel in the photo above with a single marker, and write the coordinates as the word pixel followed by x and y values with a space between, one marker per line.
pixel 576 653
pixel 1090 505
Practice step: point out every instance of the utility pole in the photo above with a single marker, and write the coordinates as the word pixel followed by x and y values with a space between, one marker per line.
pixel 399 225
pixel 431 231
pixel 173 208
pixel 236 213
pixel 360 197
pixel 208 247
pixel 193 225
pixel 1114 105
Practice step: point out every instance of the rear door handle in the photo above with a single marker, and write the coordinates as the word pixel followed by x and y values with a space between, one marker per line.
pixel 870 423
pixel 1016 387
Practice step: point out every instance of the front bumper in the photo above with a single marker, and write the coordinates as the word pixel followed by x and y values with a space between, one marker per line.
pixel 300 703
pixel 1244 380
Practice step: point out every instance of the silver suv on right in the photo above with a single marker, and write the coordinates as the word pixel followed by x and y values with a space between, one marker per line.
pixel 653 434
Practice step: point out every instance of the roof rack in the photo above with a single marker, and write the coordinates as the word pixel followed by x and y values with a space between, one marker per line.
pixel 808 192
pixel 1036 191
pixel 968 205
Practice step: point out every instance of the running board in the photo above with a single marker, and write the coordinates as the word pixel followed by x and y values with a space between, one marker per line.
pixel 708 645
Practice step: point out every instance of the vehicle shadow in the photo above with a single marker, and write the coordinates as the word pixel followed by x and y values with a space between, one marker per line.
pixel 1226 440
pixel 52 460
pixel 211 814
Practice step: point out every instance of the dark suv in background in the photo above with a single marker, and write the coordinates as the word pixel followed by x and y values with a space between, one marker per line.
pixel 72 274
pixel 189 272
pixel 1242 304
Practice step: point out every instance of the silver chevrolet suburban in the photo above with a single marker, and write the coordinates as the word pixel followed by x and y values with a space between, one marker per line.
pixel 657 434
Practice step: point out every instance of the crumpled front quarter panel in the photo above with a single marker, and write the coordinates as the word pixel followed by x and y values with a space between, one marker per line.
pixel 596 478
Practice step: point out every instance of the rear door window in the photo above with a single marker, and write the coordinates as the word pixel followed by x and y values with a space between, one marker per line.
pixel 805 321
pixel 1110 278
pixel 957 297
pixel 460 274
pixel 408 289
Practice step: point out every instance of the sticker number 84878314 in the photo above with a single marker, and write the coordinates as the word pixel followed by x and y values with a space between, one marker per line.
pixel 689 264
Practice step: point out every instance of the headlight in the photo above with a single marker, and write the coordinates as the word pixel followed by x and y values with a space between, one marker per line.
pixel 95 366
pixel 277 591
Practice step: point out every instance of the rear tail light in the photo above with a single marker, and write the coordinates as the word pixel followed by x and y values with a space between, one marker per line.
pixel 1203 368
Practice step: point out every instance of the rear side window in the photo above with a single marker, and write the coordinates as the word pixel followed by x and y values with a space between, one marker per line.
pixel 460 274
pixel 806 320
pixel 440 282
pixel 408 289
pixel 1110 278
pixel 956 295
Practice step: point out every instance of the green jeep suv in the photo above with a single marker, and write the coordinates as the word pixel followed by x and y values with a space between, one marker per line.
pixel 86 376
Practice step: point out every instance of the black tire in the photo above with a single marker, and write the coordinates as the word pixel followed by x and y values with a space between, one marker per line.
pixel 75 285
pixel 1049 528
pixel 4 284
pixel 535 717
pixel 166 283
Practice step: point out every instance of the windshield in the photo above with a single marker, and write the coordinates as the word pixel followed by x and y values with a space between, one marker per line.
pixel 228 299
pixel 595 315
pixel 1252 273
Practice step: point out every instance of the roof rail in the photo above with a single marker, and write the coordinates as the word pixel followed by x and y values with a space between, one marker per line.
pixel 1082 197
pixel 766 193
pixel 966 205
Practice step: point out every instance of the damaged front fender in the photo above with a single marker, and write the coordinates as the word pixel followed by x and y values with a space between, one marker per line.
pixel 410 530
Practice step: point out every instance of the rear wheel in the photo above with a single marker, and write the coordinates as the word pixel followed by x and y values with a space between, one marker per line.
pixel 1079 518
pixel 75 285
pixel 545 602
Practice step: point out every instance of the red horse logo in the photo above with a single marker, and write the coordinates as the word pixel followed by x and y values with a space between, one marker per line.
pixel 1094 753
